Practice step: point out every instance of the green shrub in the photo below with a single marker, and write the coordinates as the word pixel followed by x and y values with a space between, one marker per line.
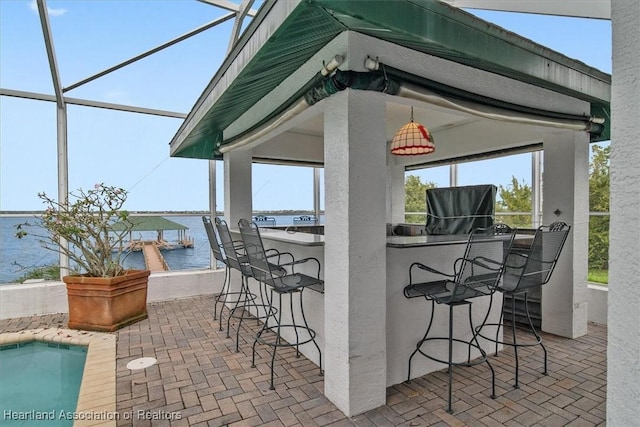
pixel 46 272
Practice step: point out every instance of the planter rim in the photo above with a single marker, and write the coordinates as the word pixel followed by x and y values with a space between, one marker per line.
pixel 84 278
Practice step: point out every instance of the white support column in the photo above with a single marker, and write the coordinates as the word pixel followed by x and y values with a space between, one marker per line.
pixel 566 198
pixel 63 174
pixel 453 175
pixel 355 250
pixel 237 186
pixel 623 351
pixel 212 188
pixel 316 193
pixel 536 188
pixel 395 189
pixel 212 203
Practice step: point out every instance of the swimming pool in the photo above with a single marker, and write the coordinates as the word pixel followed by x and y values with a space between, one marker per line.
pixel 97 399
pixel 40 383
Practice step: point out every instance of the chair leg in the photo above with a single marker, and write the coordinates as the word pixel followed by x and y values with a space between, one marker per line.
pixel 533 329
pixel 217 298
pixel 277 342
pixel 268 315
pixel 472 342
pixel 252 302
pixel 449 409
pixel 313 339
pixel 244 290
pixel 233 310
pixel 483 353
pixel 222 294
pixel 500 324
pixel 293 321
pixel 263 298
pixel 515 342
pixel 476 331
pixel 422 340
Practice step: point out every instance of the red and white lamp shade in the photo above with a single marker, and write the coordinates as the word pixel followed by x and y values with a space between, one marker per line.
pixel 412 139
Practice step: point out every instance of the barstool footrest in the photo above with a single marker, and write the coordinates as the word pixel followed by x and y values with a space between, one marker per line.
pixel 481 359
pixel 245 313
pixel 222 297
pixel 282 342
pixel 538 340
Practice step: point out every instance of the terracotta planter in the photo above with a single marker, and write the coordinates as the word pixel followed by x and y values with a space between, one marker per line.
pixel 107 303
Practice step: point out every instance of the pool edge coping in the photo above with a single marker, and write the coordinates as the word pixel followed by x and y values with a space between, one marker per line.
pixel 97 397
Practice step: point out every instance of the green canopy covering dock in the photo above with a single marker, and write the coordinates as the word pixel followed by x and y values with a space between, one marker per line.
pixel 158 224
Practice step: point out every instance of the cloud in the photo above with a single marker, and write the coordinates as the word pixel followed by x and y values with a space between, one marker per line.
pixel 52 12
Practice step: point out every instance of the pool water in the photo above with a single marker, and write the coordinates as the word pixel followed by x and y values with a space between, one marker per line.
pixel 39 383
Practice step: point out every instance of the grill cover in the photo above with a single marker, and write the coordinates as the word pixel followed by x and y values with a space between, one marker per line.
pixel 459 210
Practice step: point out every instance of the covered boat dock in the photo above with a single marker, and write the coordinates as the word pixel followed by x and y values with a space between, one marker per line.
pixel 159 225
pixel 151 248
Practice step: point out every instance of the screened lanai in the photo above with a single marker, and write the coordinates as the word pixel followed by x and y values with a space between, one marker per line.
pixel 625 17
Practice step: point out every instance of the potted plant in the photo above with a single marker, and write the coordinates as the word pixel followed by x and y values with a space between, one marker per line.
pixel 102 294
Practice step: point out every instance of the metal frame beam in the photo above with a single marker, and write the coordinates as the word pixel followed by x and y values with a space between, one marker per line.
pixel 243 10
pixel 89 103
pixel 152 51
pixel 227 5
pixel 599 9
pixel 61 122
pixel 239 12
pixel 51 54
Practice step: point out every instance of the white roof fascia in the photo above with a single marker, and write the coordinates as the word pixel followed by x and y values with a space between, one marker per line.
pixel 474 80
pixel 599 9
pixel 276 16
pixel 286 89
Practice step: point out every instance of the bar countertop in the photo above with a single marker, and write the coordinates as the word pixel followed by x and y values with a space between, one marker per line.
pixel 425 240
pixel 398 242
pixel 295 237
pixel 308 239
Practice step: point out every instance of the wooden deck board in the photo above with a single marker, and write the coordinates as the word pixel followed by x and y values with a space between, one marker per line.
pixel 153 258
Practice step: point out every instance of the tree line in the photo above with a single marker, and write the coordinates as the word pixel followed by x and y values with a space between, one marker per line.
pixel 517 197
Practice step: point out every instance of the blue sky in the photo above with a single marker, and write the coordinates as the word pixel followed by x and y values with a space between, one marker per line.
pixel 131 150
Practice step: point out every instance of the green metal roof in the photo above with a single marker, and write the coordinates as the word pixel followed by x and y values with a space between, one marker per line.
pixel 148 223
pixel 427 26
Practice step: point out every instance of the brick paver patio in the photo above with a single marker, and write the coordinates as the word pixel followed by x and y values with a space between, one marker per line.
pixel 200 379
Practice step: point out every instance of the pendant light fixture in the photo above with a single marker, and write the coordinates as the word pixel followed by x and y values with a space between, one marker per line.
pixel 412 139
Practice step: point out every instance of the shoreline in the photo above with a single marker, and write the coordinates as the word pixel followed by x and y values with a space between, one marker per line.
pixel 15 214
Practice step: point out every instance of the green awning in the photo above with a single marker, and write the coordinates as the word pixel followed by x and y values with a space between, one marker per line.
pixel 426 26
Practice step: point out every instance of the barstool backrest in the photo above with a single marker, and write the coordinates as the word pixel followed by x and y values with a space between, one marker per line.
pixel 230 252
pixel 536 266
pixel 255 252
pixel 214 242
pixel 483 262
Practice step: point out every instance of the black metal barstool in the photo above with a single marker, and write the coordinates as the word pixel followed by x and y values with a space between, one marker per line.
pixel 475 274
pixel 523 272
pixel 289 284
pixel 224 296
pixel 235 258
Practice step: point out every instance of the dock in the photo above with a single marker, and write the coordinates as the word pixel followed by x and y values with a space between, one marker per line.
pixel 152 256
pixel 151 248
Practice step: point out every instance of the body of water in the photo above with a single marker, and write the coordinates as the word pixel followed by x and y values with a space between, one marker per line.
pixel 17 256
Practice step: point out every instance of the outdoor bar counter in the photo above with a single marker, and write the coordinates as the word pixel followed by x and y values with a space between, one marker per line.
pixel 406 320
